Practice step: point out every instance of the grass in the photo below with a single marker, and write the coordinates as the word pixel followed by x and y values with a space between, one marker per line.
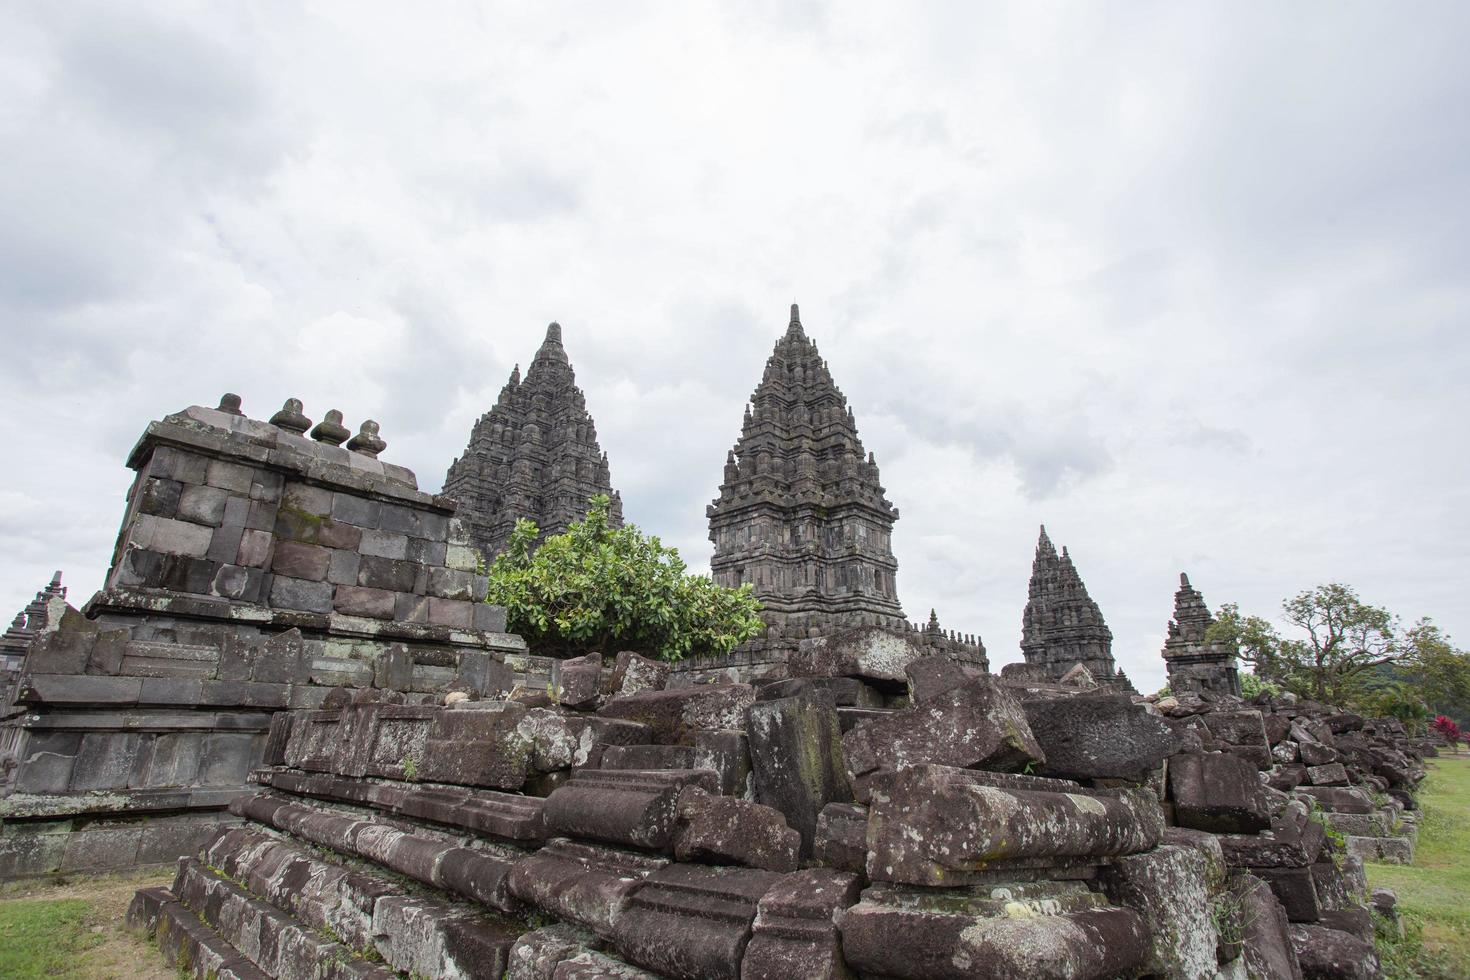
pixel 1434 893
pixel 72 929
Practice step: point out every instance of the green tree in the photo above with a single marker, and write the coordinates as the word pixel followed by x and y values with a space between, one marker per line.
pixel 1439 672
pixel 1341 640
pixel 605 589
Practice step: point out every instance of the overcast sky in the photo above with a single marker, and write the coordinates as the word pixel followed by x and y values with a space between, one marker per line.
pixel 1185 282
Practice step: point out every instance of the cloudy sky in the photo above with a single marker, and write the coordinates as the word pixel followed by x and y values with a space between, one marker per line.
pixel 1185 282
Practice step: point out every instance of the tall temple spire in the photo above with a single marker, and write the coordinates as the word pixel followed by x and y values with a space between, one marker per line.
pixel 1062 626
pixel 1196 663
pixel 534 455
pixel 801 514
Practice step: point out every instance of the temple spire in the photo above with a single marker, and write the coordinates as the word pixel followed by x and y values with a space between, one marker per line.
pixel 1062 626
pixel 793 329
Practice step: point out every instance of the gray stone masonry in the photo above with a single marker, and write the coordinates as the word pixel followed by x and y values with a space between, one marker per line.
pixel 257 569
pixel 1196 664
pixel 1062 626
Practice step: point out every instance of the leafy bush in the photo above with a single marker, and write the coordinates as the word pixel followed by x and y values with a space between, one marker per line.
pixel 598 588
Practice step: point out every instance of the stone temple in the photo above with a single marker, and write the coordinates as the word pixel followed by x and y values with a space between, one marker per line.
pixel 1062 627
pixel 1196 664
pixel 801 515
pixel 533 456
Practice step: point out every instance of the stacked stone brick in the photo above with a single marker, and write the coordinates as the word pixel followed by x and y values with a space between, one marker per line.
pixel 1197 664
pixel 257 569
pixel 533 456
pixel 819 824
pixel 1062 628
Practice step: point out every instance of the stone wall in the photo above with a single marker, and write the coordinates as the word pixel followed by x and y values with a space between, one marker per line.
pixel 256 570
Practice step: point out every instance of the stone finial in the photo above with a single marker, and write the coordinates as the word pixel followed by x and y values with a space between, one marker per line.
pixel 331 430
pixel 291 418
pixel 515 376
pixel 367 442
pixel 229 403
pixel 795 314
pixel 1183 580
pixel 553 332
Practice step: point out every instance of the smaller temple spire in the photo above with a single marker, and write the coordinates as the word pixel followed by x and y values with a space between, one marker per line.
pixel 1044 547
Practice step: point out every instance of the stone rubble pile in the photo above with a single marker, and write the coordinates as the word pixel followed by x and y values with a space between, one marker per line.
pixel 815 825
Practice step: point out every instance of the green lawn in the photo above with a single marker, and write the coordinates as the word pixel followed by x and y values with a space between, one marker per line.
pixel 1434 894
pixel 73 930
pixel 42 939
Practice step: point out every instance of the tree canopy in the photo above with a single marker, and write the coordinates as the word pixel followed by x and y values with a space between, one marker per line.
pixel 608 589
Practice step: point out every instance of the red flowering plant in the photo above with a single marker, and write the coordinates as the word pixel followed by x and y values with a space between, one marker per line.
pixel 1448 730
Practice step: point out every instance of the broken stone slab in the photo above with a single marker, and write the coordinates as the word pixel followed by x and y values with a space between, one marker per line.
pixel 1340 799
pixel 1217 792
pixel 577 682
pixel 1244 727
pixel 554 743
pixel 1266 945
pixel 1332 774
pixel 842 838
pixel 1316 754
pixel 723 830
pixel 1089 737
pixel 929 677
pixel 872 652
pixel 845 691
pixel 1295 889
pixel 979 725
pixel 537 954
pixel 794 933
pixel 673 716
pixel 937 825
pixel 728 754
pixel 690 922
pixel 1327 954
pixel 796 759
pixel 631 808
pixel 1167 887
pixel 581 883
pixel 633 673
pixel 1032 930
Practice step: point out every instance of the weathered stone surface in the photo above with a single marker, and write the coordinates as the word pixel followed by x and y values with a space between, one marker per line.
pixel 929 677
pixel 1295 889
pixel 1341 799
pixel 578 681
pixel 1019 931
pixel 844 691
pixel 633 673
pixel 691 922
pixel 674 716
pixel 1090 737
pixel 581 883
pixel 1266 945
pixel 1062 627
pixel 1327 954
pixel 978 725
pixel 631 808
pixel 723 830
pixel 1167 886
pixel 1332 774
pixel 842 837
pixel 649 757
pixel 796 760
pixel 794 934
pixel 936 825
pixel 726 753
pixel 868 651
pixel 1218 793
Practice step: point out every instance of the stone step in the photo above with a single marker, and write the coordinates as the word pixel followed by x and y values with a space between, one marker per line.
pixel 186 942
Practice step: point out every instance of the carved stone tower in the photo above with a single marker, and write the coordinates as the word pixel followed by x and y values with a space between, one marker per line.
pixel 801 514
pixel 1194 663
pixel 1062 627
pixel 534 455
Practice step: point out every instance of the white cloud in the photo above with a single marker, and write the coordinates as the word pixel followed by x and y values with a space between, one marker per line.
pixel 1185 284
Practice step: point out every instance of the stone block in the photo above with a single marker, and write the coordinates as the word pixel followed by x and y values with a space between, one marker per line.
pixel 937 825
pixel 202 505
pixel 794 933
pixel 580 883
pixel 387 573
pixel 1332 774
pixel 159 497
pixel 648 757
pixel 977 725
pixel 451 612
pixel 256 548
pixel 842 838
pixel 724 830
pixel 1089 737
pixel 169 536
pixel 1340 799
pixel 1316 754
pixel 690 922
pixel 1266 946
pixel 384 544
pixel 461 558
pixel 354 600
pixel 170 463
pixel 1327 954
pixel 728 755
pixel 350 508
pixel 489 618
pixel 234 477
pixel 633 673
pixel 929 677
pixel 797 765
pixel 1167 887
pixel 577 682
pixel 303 561
pixel 674 716
pixel 1033 930
pixel 307 499
pixel 629 808
pixel 447 583
pixel 1217 792
pixel 1295 889
pixel 293 593
pixel 410 608
pixel 873 652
